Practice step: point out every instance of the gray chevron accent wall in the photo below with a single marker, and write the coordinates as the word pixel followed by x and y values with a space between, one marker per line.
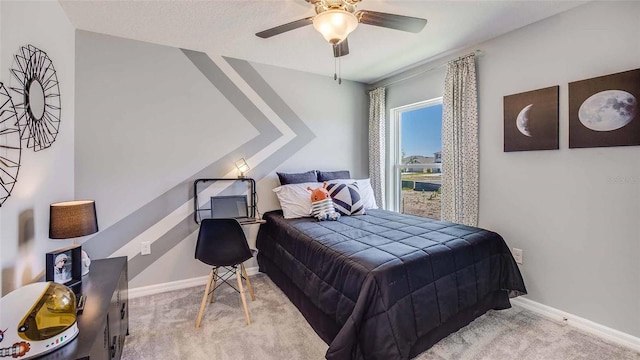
pixel 154 118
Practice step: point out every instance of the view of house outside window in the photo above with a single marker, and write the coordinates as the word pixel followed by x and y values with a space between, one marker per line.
pixel 421 161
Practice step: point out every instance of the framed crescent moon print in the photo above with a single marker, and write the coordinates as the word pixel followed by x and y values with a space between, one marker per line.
pixel 39 111
pixel 10 149
pixel 604 111
pixel 531 120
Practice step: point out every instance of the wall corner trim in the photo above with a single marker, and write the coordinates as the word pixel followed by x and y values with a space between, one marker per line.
pixel 177 285
pixel 593 328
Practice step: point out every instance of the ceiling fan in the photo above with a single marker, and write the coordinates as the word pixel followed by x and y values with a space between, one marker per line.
pixel 336 19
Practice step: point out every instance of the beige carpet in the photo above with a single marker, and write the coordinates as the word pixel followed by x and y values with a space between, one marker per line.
pixel 162 327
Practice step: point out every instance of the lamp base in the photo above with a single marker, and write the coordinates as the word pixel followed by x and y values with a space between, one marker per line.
pixel 86 262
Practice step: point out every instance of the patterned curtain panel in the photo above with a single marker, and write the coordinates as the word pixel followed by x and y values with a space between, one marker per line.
pixel 376 143
pixel 460 143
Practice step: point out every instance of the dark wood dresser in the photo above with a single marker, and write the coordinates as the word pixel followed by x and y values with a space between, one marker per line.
pixel 104 323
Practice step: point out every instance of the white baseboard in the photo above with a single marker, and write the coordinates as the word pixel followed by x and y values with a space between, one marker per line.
pixel 583 324
pixel 177 285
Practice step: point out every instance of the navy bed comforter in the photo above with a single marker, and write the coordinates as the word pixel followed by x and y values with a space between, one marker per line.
pixel 387 279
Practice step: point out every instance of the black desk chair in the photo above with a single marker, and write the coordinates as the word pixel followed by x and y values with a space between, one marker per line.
pixel 222 244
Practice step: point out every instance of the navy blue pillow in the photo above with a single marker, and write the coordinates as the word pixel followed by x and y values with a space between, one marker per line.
pixel 333 175
pixel 309 176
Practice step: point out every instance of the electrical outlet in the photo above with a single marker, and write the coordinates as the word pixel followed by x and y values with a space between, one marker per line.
pixel 517 255
pixel 145 248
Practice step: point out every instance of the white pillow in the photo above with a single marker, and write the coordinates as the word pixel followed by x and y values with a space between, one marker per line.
pixel 295 199
pixel 366 191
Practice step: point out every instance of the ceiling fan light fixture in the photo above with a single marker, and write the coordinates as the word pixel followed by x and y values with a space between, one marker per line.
pixel 335 25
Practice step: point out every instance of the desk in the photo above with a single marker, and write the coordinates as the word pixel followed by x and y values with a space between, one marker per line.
pixel 196 190
pixel 104 323
pixel 256 221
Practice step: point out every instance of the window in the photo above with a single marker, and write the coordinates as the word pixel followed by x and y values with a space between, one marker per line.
pixel 415 170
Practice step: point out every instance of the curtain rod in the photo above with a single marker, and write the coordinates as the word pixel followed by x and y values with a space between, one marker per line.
pixel 476 53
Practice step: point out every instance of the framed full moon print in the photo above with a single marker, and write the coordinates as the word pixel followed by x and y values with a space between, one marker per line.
pixel 604 111
pixel 531 120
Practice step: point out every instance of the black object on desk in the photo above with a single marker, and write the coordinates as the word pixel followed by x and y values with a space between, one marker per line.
pixel 104 323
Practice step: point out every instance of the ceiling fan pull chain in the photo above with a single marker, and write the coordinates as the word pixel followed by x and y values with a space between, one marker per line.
pixel 335 72
pixel 339 71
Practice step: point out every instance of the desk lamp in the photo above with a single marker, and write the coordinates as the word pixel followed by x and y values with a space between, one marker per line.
pixel 243 167
pixel 73 219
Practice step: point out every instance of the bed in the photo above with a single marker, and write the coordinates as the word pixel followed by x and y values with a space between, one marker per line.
pixel 385 285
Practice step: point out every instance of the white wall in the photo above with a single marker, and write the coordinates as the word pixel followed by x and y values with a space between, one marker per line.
pixel 336 114
pixel 45 176
pixel 426 86
pixel 574 212
pixel 173 116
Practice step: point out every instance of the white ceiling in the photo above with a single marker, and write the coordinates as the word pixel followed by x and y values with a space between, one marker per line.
pixel 227 27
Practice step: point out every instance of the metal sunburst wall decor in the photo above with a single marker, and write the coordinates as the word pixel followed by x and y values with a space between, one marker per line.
pixel 39 112
pixel 10 149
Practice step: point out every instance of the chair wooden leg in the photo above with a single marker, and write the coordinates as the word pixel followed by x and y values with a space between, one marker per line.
pixel 246 278
pixel 244 301
pixel 204 299
pixel 213 288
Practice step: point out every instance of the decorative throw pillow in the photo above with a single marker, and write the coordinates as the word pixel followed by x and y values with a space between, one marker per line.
pixel 366 191
pixel 309 176
pixel 333 175
pixel 346 198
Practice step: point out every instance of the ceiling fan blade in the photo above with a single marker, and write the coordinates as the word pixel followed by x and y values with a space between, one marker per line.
pixel 341 49
pixel 392 21
pixel 284 28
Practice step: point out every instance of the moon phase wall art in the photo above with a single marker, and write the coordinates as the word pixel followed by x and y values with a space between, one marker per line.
pixel 604 111
pixel 531 120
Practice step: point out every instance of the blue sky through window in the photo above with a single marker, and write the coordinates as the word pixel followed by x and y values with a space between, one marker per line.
pixel 421 131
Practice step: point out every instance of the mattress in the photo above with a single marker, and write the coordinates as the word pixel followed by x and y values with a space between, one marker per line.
pixel 385 285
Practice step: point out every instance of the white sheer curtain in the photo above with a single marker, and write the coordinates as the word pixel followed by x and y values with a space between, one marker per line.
pixel 460 143
pixel 377 143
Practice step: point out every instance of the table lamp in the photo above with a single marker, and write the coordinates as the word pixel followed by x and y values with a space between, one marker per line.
pixel 73 219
